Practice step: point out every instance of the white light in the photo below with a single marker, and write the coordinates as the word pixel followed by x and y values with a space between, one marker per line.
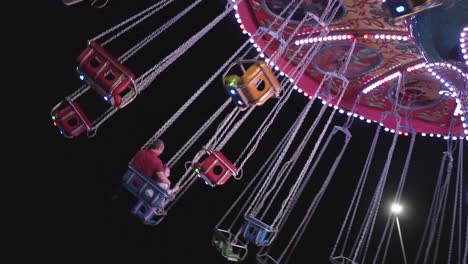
pixel 387 129
pixel 423 134
pixel 396 209
pixel 232 91
pixel 368 121
pixel 82 77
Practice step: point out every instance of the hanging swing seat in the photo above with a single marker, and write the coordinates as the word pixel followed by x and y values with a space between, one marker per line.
pixel 148 215
pixel 144 189
pixel 342 260
pixel 265 259
pixel 222 240
pixel 257 232
pixel 70 120
pixel 215 169
pixel 257 84
pixel 106 75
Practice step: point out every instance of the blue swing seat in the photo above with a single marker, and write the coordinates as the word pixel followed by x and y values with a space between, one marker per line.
pixel 148 215
pixel 144 188
pixel 257 231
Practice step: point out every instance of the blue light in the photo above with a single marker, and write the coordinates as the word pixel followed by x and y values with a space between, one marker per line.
pixel 232 91
pixel 81 77
pixel 239 102
pixel 61 132
pixel 105 98
pixel 400 9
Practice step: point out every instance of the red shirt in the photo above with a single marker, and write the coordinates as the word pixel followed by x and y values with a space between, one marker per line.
pixel 148 163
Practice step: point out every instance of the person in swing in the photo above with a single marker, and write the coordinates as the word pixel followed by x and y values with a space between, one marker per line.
pixel 148 162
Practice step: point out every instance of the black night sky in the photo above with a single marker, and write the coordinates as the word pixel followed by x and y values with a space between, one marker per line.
pixel 58 202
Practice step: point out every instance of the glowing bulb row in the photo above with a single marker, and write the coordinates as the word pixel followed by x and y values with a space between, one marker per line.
pixel 416 67
pixel 464 43
pixel 380 82
pixel 389 37
pixel 320 39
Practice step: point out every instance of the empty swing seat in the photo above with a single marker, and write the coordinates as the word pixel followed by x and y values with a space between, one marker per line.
pixel 215 169
pixel 254 87
pixel 257 231
pixel 148 215
pixel 71 120
pixel 105 74
pixel 341 260
pixel 144 188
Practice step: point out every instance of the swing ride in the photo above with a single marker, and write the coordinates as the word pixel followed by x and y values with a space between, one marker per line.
pixel 369 60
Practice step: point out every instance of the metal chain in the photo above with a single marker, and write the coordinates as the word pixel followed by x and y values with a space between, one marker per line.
pixel 145 13
pixel 148 77
pixel 157 32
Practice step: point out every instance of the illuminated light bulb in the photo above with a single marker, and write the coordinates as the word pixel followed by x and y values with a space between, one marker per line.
pixel 423 134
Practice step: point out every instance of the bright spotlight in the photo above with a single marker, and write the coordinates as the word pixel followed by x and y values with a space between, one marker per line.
pixel 396 208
